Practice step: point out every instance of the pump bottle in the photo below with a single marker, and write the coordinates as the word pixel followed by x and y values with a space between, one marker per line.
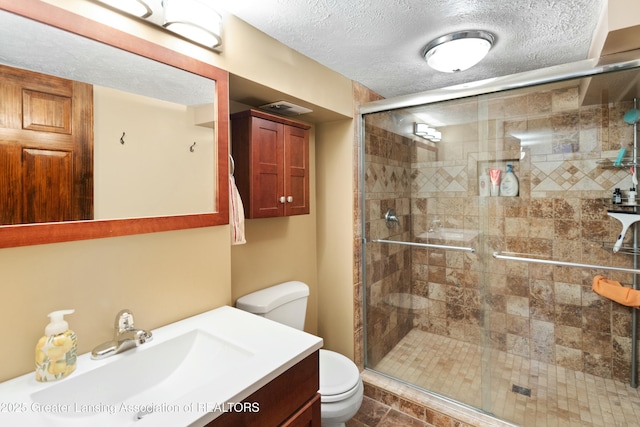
pixel 509 185
pixel 56 351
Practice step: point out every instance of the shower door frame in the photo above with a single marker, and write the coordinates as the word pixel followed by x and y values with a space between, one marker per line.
pixel 580 69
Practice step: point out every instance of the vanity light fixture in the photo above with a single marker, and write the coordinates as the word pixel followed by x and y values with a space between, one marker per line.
pixel 458 51
pixel 137 8
pixel 436 137
pixel 421 129
pixel 427 132
pixel 194 20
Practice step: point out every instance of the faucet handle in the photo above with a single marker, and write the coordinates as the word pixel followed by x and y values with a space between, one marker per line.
pixel 391 218
pixel 124 321
pixel 144 336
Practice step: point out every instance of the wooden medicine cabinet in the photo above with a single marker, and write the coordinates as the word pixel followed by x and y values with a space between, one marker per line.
pixel 271 155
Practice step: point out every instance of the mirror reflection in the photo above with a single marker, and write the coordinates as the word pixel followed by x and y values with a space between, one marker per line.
pixel 89 131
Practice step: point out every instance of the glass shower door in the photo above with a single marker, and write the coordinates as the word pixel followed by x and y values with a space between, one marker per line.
pixel 425 305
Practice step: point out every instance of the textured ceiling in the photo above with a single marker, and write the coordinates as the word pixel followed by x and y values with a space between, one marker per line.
pixel 379 42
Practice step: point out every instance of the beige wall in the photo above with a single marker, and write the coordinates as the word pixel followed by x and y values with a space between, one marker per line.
pixel 335 235
pixel 158 130
pixel 164 277
pixel 618 29
pixel 161 277
pixel 279 250
pixel 622 14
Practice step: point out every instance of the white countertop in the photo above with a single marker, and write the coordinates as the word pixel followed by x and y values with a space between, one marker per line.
pixel 273 349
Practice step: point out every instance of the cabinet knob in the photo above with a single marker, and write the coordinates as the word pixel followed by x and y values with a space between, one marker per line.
pixel 282 200
pixel 289 199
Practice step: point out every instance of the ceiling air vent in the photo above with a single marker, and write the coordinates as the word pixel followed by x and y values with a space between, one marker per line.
pixel 285 108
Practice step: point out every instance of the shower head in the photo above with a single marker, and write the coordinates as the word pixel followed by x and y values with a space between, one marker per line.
pixel 632 116
pixel 627 219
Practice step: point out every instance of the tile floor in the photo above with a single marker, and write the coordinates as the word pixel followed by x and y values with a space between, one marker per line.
pixel 558 396
pixel 376 414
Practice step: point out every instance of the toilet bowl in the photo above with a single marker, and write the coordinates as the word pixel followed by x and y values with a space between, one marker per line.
pixel 341 388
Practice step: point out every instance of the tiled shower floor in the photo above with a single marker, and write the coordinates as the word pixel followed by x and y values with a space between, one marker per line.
pixel 559 397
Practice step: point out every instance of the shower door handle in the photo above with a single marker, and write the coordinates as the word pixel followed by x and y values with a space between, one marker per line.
pixel 425 245
pixel 513 256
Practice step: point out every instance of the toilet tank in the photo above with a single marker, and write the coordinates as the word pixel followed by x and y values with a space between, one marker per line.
pixel 284 303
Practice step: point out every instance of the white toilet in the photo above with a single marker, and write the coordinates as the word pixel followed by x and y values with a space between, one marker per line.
pixel 341 388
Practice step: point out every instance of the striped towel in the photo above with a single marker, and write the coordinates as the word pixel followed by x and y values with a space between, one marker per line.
pixel 236 214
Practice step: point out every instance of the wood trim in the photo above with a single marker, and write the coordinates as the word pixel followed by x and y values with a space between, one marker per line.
pixel 38 234
pixel 33 234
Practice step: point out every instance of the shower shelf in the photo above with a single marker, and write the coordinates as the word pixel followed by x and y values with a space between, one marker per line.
pixel 610 164
pixel 607 202
pixel 624 249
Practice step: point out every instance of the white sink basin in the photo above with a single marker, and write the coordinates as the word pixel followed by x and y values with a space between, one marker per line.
pixel 145 378
pixel 186 376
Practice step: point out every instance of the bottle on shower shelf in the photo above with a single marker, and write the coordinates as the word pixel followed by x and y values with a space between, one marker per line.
pixel 494 177
pixel 509 186
pixel 617 197
pixel 632 196
pixel 484 184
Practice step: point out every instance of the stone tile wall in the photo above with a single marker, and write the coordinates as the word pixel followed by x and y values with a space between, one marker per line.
pixel 388 277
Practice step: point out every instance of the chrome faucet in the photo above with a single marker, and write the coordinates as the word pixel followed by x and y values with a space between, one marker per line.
pixel 126 337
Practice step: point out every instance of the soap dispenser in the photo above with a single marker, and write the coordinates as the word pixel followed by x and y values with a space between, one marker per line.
pixel 509 185
pixel 56 351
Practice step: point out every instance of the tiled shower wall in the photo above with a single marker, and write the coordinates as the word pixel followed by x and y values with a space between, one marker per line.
pixel 387 186
pixel 538 311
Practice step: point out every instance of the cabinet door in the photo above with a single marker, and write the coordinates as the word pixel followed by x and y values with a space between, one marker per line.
pixel 296 163
pixel 307 416
pixel 267 165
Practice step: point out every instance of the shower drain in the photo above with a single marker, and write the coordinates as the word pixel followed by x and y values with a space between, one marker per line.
pixel 521 390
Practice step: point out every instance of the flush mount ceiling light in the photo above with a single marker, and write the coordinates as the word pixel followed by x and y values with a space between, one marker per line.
pixel 194 20
pixel 458 51
pixel 133 7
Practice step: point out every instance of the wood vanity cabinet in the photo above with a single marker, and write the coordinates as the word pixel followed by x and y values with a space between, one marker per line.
pixel 271 156
pixel 289 400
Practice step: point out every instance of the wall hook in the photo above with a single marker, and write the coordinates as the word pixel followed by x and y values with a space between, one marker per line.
pixel 122 139
pixel 193 147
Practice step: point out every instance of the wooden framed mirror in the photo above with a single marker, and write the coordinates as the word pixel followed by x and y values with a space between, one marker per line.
pixel 137 223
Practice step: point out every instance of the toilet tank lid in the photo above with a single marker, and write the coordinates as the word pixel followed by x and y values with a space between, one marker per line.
pixel 265 300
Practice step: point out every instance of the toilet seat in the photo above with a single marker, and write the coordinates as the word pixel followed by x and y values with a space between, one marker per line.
pixel 339 377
